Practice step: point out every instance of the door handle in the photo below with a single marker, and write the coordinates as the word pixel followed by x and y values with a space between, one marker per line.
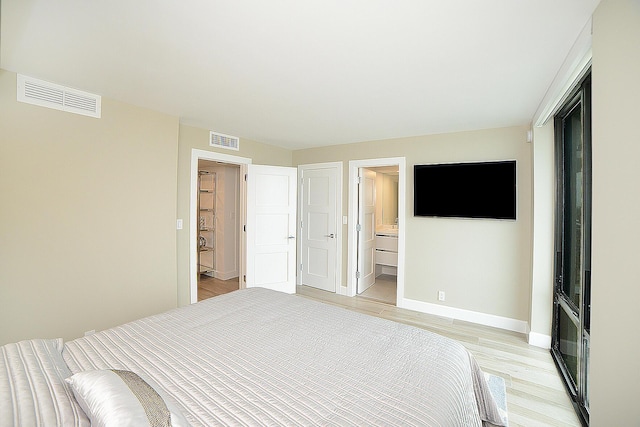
pixel 291 237
pixel 331 236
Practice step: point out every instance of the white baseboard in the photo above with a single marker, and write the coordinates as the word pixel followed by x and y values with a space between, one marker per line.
pixel 466 315
pixel 539 340
pixel 225 275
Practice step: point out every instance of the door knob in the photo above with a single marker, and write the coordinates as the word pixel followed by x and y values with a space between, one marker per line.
pixel 330 235
pixel 291 237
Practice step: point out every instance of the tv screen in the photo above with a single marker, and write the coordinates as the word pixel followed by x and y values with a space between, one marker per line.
pixel 465 190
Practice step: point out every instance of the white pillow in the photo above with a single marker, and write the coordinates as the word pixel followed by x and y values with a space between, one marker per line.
pixel 121 398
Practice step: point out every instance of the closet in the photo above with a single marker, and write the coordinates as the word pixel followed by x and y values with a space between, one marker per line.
pixel 218 220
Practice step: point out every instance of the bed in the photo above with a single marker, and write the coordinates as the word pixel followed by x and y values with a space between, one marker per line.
pixel 250 357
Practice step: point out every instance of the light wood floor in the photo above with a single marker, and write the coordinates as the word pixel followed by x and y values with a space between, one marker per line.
pixel 210 286
pixel 535 395
pixel 384 289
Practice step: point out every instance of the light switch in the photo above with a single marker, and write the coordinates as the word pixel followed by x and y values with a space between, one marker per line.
pixel 179 224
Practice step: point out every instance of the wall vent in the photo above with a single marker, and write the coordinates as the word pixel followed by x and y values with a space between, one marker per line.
pixel 50 95
pixel 224 141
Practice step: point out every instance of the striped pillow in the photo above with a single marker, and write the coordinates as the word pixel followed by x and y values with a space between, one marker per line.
pixel 120 398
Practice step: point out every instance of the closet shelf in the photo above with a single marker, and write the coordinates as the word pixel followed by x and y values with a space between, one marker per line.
pixel 206 221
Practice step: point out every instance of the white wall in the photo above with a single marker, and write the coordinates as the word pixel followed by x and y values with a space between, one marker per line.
pixel 227 238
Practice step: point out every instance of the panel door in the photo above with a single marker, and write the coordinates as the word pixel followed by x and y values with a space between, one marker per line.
pixel 367 229
pixel 271 228
pixel 318 234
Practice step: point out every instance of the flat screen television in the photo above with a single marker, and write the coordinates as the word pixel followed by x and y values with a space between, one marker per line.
pixel 465 190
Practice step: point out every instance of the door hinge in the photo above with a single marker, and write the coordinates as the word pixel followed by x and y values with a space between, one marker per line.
pixel 244 228
pixel 358 180
pixel 301 224
pixel 301 267
pixel 244 278
pixel 358 227
pixel 245 176
pixel 357 274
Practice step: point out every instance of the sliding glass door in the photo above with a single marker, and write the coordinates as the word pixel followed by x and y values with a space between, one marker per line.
pixel 572 300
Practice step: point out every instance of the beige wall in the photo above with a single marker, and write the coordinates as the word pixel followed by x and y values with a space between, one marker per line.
pixel 496 255
pixel 87 217
pixel 195 138
pixel 615 298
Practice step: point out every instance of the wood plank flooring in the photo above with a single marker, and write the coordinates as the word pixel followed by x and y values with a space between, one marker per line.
pixel 535 394
pixel 210 286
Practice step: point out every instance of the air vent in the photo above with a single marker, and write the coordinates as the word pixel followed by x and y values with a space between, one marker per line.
pixel 50 95
pixel 224 141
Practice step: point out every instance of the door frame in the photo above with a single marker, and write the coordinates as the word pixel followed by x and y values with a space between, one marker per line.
pixel 196 155
pixel 352 261
pixel 339 167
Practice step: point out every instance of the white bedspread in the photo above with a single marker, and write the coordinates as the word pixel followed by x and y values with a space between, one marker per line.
pixel 259 357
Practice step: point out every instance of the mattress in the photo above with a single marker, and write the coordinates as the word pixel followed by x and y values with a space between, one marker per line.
pixel 260 357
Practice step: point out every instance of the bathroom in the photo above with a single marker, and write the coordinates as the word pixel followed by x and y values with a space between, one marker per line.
pixel 384 288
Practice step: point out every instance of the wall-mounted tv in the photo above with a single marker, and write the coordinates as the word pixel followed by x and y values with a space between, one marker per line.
pixel 465 190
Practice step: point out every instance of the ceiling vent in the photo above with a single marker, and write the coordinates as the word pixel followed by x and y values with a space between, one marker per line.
pixel 224 141
pixel 50 95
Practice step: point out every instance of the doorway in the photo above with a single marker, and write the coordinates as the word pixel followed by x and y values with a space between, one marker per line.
pixel 212 283
pixel 571 333
pixel 378 236
pixel 376 241
pixel 218 228
pixel 266 251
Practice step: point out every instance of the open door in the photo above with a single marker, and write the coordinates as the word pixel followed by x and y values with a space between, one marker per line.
pixel 366 229
pixel 271 228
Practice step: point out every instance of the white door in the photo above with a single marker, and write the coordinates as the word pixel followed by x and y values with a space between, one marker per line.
pixel 318 230
pixel 366 229
pixel 271 228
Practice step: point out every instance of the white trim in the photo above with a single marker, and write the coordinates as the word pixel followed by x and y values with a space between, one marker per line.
pixel 539 340
pixel 196 155
pixel 465 315
pixel 573 68
pixel 352 266
pixel 338 166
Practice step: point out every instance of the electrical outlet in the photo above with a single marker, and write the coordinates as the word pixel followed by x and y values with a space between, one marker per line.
pixel 440 295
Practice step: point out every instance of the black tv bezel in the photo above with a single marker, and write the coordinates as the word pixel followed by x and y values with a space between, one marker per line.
pixel 509 217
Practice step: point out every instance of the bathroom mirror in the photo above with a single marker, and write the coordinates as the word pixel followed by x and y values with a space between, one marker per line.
pixel 389 199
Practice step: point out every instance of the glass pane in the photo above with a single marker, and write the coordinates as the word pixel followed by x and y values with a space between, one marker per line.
pixel 573 156
pixel 568 343
pixel 586 371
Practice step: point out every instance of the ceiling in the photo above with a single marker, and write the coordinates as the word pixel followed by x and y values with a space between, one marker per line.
pixel 301 74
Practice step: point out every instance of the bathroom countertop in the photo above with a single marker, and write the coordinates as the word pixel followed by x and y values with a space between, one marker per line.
pixel 387 229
